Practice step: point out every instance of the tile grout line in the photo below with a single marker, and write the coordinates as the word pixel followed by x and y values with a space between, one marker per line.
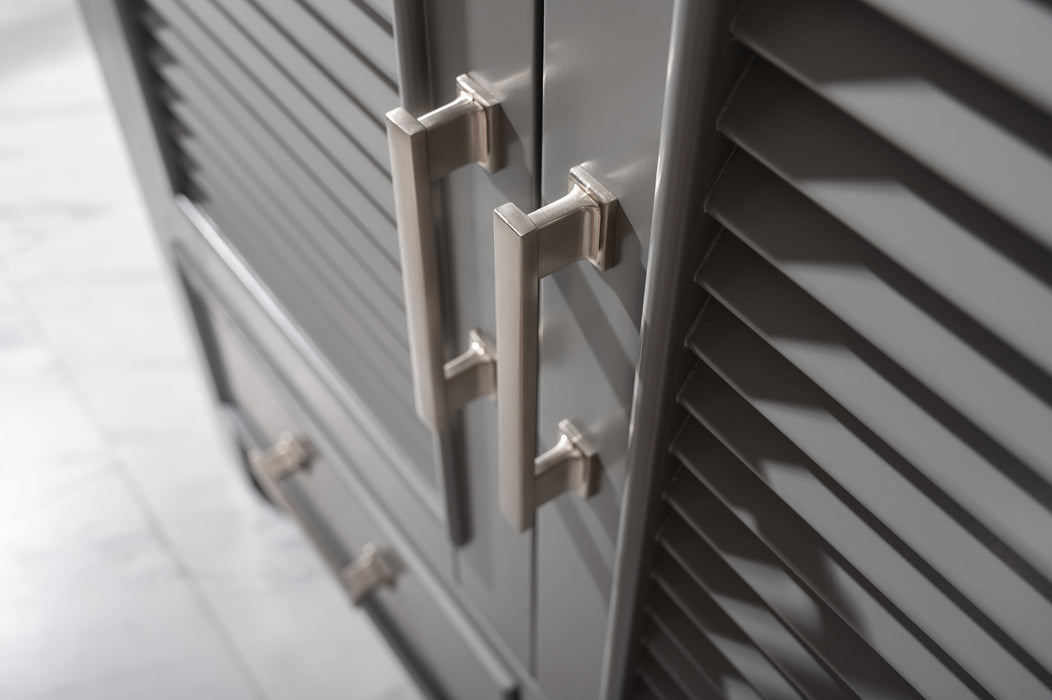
pixel 156 526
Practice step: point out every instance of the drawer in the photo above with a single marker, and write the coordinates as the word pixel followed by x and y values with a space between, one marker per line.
pixel 416 614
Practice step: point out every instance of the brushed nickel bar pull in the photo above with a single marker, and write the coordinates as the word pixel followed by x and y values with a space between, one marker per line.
pixel 527 247
pixel 423 150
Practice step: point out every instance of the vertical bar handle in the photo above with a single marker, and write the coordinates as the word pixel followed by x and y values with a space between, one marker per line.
pixel 527 247
pixel 423 150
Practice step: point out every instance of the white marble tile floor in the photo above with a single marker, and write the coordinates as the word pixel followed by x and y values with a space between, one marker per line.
pixel 135 561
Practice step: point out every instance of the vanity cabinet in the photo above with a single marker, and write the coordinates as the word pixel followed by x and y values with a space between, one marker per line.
pixel 608 349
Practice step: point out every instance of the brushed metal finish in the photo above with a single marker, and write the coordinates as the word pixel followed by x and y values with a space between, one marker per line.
pixel 527 247
pixel 471 374
pixel 423 150
pixel 287 456
pixel 374 567
pixel 572 465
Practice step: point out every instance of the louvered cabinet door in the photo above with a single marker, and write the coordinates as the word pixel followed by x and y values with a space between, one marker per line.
pixel 272 114
pixel 859 493
pixel 259 132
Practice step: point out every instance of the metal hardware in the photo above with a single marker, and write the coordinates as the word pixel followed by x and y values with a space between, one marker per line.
pixel 527 247
pixel 374 567
pixel 572 465
pixel 471 374
pixel 465 131
pixel 288 455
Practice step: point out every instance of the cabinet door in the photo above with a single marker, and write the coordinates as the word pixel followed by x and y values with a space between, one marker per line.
pixel 268 116
pixel 496 41
pixel 258 128
pixel 604 64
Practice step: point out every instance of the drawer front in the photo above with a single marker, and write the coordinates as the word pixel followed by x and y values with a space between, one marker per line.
pixel 424 625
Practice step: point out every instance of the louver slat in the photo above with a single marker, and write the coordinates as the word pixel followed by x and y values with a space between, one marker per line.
pixel 231 212
pixel 840 363
pixel 688 640
pixel 761 597
pixel 351 123
pixel 868 457
pixel 352 131
pixel 384 9
pixel 300 265
pixel 357 156
pixel 904 211
pixel 370 34
pixel 804 487
pixel 378 381
pixel 894 313
pixel 869 472
pixel 723 594
pixel 321 280
pixel 876 204
pixel 276 115
pixel 281 143
pixel 267 49
pixel 1005 39
pixel 227 209
pixel 375 90
pixel 809 559
pixel 683 670
pixel 654 677
pixel 968 130
pixel 687 603
pixel 376 268
pixel 351 127
pixel 329 196
pixel 349 277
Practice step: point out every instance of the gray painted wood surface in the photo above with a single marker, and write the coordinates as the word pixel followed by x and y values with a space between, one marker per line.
pixel 601 108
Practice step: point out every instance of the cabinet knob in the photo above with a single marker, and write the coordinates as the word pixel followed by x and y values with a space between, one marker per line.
pixel 527 247
pixel 287 456
pixel 374 567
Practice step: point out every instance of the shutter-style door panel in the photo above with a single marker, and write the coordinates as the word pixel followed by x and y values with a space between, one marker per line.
pixel 860 499
pixel 273 112
pixel 1006 40
pixel 973 132
pixel 273 118
pixel 292 166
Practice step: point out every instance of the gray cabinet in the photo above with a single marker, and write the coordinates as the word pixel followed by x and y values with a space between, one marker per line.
pixel 755 298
